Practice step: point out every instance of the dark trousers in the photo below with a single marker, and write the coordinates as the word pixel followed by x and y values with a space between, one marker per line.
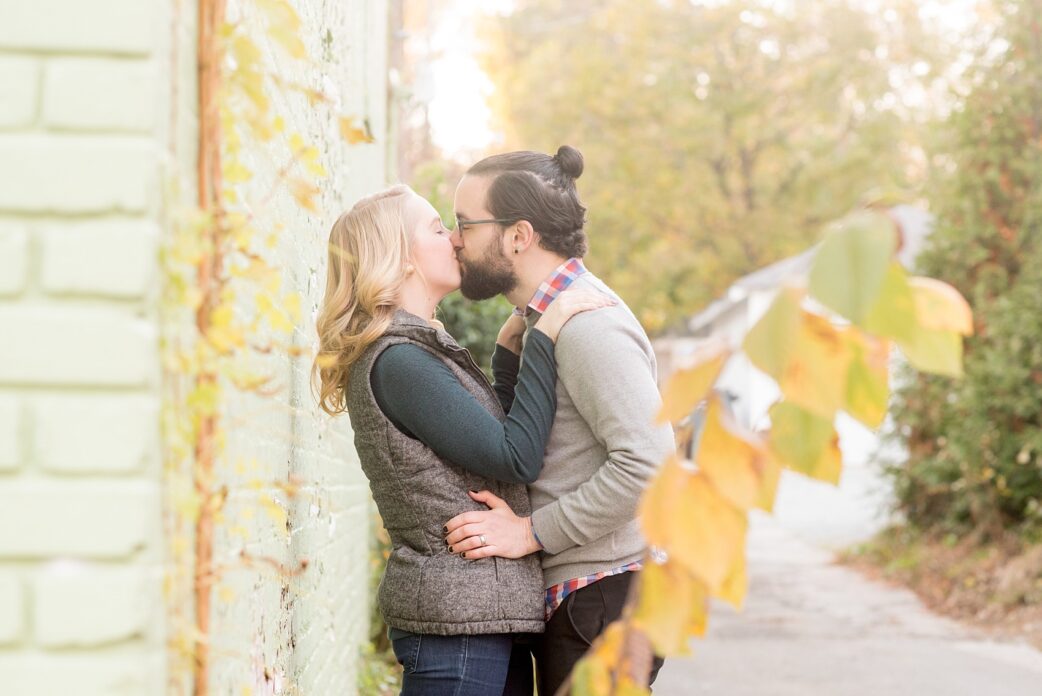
pixel 574 626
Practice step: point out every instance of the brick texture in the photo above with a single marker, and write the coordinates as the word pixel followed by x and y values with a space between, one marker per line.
pixel 97 158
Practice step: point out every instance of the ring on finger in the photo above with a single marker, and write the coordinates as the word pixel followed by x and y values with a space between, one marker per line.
pixel 482 539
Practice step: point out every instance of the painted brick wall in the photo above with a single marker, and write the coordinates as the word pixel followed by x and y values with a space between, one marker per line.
pixel 81 140
pixel 96 126
pixel 300 634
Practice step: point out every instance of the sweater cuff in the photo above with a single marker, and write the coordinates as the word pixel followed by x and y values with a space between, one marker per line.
pixel 548 532
pixel 505 359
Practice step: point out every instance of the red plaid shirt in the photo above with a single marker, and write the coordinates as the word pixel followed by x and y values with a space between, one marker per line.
pixel 556 594
pixel 553 286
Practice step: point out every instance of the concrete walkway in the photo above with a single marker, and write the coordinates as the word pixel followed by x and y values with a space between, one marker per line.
pixel 812 628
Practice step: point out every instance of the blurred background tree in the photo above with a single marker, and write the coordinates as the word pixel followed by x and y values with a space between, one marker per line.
pixel 975 445
pixel 717 138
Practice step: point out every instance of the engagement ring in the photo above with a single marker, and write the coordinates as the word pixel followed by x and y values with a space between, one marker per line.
pixel 482 539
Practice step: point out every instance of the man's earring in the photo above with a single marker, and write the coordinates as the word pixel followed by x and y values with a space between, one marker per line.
pixel 516 250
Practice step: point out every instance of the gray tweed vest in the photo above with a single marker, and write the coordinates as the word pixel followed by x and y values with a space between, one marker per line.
pixel 425 589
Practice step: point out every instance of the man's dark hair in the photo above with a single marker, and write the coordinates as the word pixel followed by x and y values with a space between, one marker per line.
pixel 540 189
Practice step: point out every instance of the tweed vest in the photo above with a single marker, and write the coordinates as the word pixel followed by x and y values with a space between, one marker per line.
pixel 425 589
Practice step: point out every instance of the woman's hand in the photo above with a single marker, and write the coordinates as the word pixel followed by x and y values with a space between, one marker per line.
pixel 567 305
pixel 494 532
pixel 510 335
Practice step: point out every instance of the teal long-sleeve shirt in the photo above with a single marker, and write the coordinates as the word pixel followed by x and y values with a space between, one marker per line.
pixel 425 400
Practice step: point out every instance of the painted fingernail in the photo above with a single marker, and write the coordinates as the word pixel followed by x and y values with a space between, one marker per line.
pixel 463 555
pixel 473 491
pixel 450 549
pixel 445 530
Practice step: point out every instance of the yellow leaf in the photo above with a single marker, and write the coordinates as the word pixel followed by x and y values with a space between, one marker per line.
pixel 731 462
pixel 627 687
pixel 309 158
pixel 304 193
pixel 274 510
pixel 276 318
pixel 939 352
pixel 769 477
pixel 252 85
pixel 868 388
pixel 940 307
pixel 815 376
pixel 315 169
pixel 736 585
pixel 804 352
pixel 770 342
pixel 893 314
pixel 671 606
pixel 203 400
pixel 287 37
pixel 851 264
pixel 235 173
pixel 270 278
pixel 683 514
pixel 592 674
pixel 327 360
pixel 245 379
pixel 609 643
pixel 687 387
pixel 245 52
pixel 291 305
pixel 352 133
pixel 280 12
pixel 805 442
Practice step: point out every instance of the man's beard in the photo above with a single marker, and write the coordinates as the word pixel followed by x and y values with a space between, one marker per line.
pixel 492 275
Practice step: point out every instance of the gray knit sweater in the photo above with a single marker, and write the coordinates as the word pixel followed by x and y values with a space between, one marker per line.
pixel 604 447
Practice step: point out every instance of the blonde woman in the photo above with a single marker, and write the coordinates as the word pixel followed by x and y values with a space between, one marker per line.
pixel 429 428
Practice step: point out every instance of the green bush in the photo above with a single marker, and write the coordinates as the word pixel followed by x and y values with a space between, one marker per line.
pixel 379 673
pixel 975 445
pixel 475 324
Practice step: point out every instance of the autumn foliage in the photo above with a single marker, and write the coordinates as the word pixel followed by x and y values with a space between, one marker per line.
pixel 975 446
pixel 827 343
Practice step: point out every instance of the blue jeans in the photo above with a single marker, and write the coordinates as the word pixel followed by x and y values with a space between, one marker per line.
pixel 459 665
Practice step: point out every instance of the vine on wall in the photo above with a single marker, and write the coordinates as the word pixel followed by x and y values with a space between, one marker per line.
pixel 226 314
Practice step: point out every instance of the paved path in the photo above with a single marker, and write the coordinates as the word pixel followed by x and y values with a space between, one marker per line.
pixel 812 628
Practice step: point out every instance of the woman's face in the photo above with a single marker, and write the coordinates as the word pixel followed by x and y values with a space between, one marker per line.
pixel 431 248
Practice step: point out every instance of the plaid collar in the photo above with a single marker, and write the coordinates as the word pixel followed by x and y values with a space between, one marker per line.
pixel 554 285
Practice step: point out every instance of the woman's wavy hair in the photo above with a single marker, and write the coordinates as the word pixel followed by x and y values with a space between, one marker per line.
pixel 368 254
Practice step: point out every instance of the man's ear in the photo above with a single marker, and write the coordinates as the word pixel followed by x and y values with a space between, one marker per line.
pixel 522 236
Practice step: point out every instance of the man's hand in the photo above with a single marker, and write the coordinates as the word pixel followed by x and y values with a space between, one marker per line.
pixel 510 334
pixel 505 534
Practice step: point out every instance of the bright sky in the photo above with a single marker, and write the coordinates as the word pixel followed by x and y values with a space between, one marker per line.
pixel 459 115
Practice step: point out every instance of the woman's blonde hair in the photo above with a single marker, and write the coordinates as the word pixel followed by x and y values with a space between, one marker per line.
pixel 368 254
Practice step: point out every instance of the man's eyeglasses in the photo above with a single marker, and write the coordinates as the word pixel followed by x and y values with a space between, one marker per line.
pixel 461 225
